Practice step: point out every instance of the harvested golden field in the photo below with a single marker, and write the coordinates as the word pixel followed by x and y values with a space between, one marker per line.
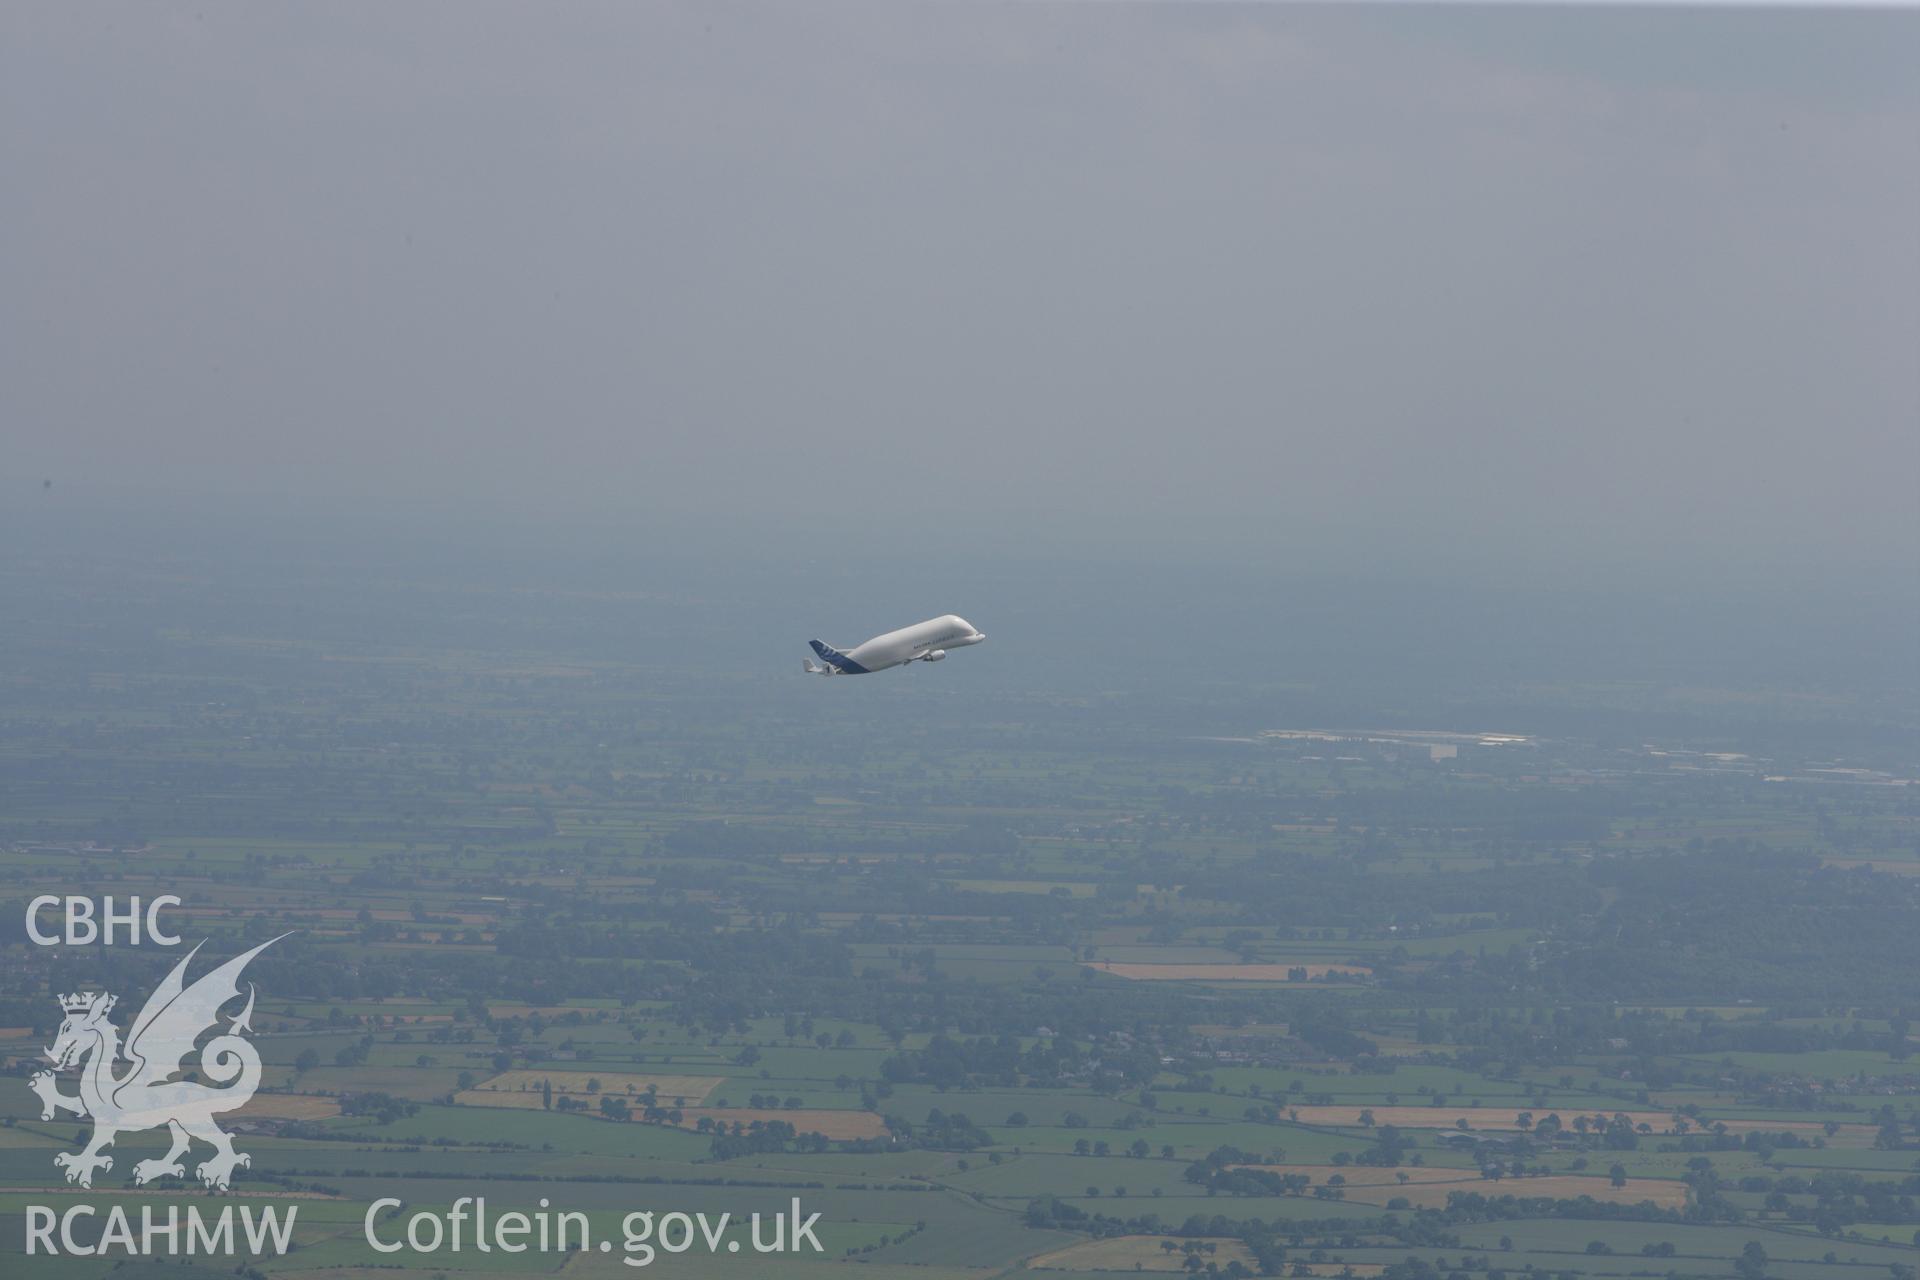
pixel 840 1126
pixel 288 1106
pixel 1223 972
pixel 1142 1253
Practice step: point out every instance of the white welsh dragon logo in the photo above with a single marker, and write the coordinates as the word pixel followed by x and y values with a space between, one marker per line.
pixel 147 1096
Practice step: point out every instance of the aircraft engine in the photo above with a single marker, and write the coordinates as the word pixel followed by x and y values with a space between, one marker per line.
pixel 934 655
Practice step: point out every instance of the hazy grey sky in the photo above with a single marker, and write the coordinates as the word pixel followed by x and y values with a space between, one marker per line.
pixel 1636 281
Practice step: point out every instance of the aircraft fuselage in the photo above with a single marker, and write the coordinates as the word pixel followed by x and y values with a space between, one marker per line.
pixel 926 641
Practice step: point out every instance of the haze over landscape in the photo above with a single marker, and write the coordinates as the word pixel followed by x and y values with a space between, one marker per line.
pixel 1626 286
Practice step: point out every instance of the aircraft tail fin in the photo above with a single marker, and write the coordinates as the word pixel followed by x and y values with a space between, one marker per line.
pixel 839 661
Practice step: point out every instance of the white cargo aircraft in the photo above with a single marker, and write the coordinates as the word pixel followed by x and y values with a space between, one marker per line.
pixel 922 642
